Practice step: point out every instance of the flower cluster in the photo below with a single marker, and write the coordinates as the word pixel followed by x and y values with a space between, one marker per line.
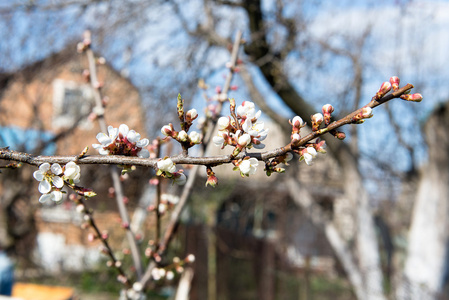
pixel 167 169
pixel 190 139
pixel 51 179
pixel 308 152
pixel 245 131
pixel 122 141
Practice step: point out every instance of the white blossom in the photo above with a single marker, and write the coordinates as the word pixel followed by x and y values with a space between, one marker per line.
pixel 166 130
pixel 309 155
pixel 195 137
pixel 72 171
pixel 47 175
pixel 166 165
pixel 248 110
pixel 106 140
pixel 122 141
pixel 192 113
pixel 244 139
pixel 182 136
pixel 249 166
pixel 55 196
pixel 218 140
pixel 223 123
pixel 170 275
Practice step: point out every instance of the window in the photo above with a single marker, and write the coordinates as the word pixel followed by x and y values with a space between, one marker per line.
pixel 72 102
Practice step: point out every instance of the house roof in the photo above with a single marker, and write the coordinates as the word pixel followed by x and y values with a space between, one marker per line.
pixel 55 59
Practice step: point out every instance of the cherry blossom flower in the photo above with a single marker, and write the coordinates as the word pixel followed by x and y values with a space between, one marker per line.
pixel 244 139
pixel 55 196
pixel 309 154
pixel 223 123
pixel 166 165
pixel 258 133
pixel 219 140
pixel 248 110
pixel 249 166
pixel 195 137
pixel 182 136
pixel 122 141
pixel 48 175
pixel 105 140
pixel 72 172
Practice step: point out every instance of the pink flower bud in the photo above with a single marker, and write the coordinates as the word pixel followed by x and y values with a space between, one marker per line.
pixel 91 237
pixel 317 119
pixel 320 145
pixel 297 122
pixel 340 135
pixel 104 235
pixel 384 88
pixel 166 130
pixel 394 82
pixel 122 279
pixel 295 138
pixel 191 115
pixel 367 112
pixel 212 180
pixel 412 97
pixel 327 111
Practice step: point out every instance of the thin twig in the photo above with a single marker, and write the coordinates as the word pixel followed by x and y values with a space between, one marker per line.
pixel 113 171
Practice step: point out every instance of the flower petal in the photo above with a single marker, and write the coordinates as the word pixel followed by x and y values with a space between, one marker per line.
pixel 56 169
pixel 123 129
pixel 144 153
pixel 44 187
pixel 143 143
pixel 218 141
pixel 44 198
pixel 113 132
pixel 56 196
pixel 103 139
pixel 44 167
pixel 38 175
pixel 58 182
pixel 180 179
pixel 133 136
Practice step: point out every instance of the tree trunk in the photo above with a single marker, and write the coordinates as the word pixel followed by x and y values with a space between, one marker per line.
pixel 425 265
